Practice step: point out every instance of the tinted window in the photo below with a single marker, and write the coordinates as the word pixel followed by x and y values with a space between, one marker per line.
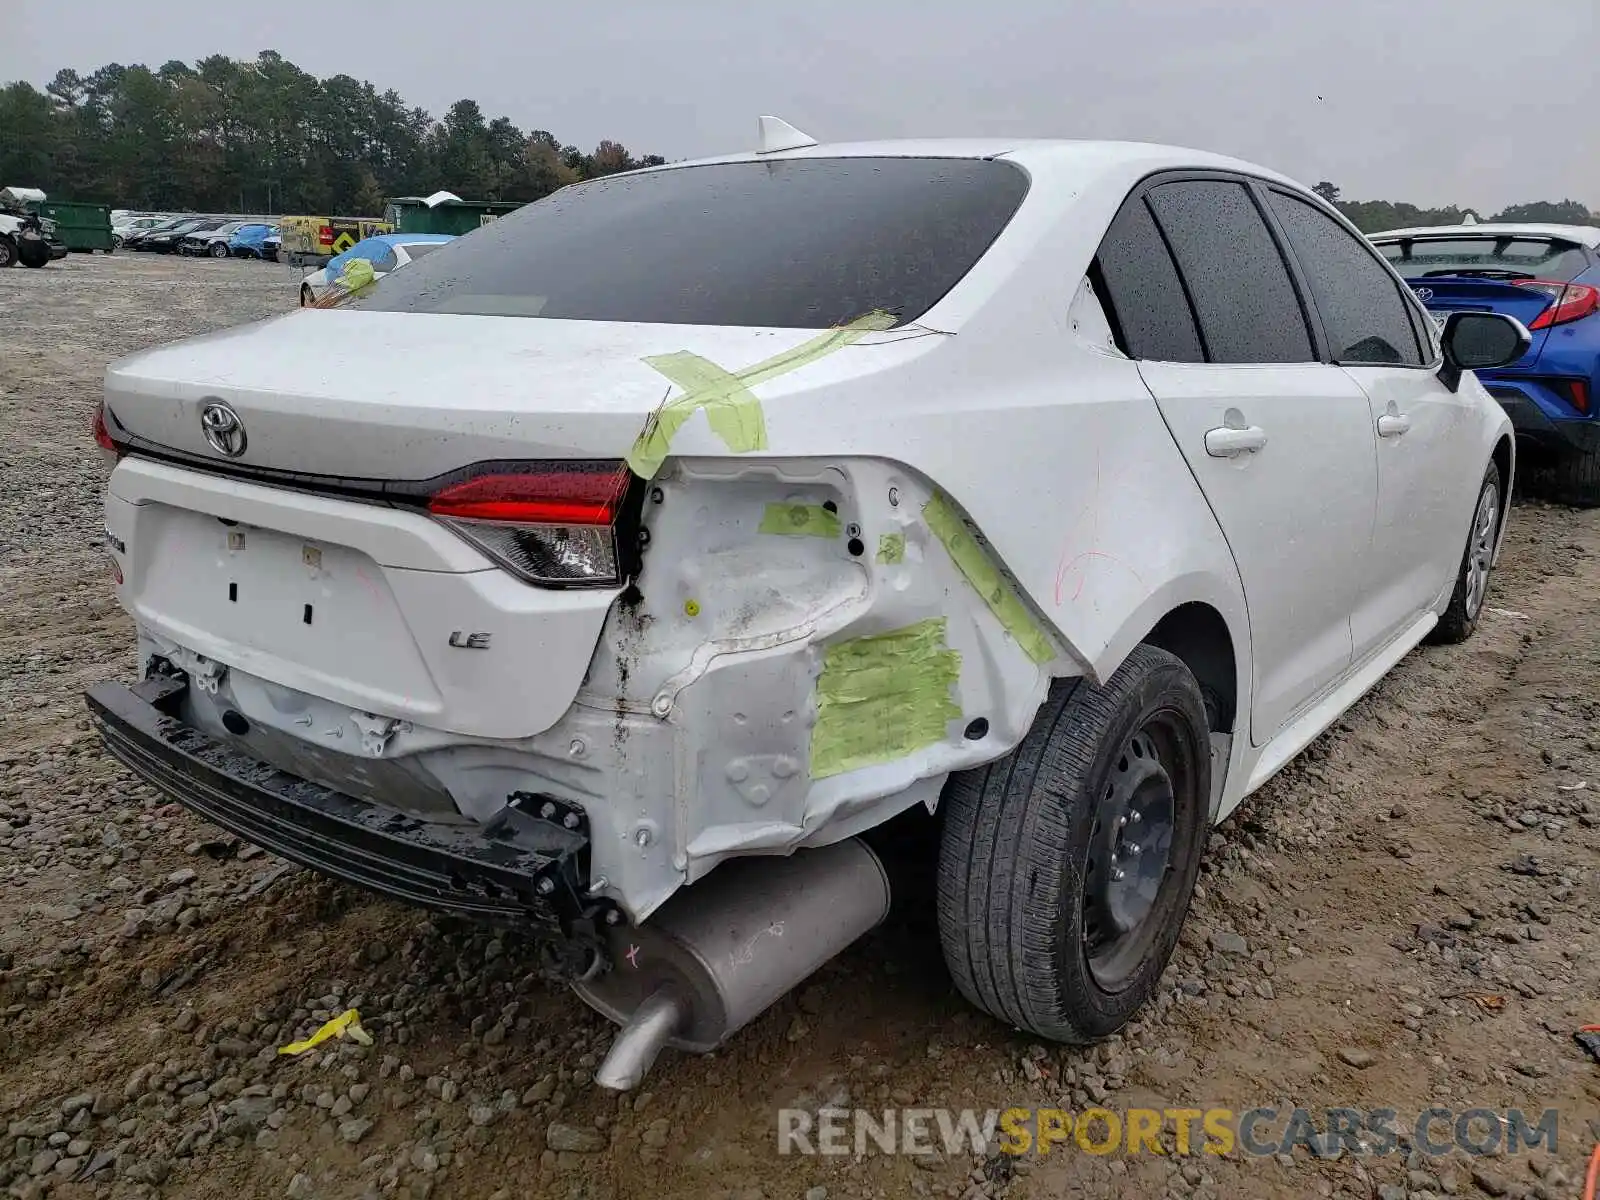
pixel 1248 309
pixel 1145 295
pixel 802 243
pixel 381 256
pixel 1358 300
pixel 1544 258
pixel 417 250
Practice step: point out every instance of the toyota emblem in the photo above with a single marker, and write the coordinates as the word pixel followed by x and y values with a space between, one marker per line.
pixel 223 429
pixel 1423 293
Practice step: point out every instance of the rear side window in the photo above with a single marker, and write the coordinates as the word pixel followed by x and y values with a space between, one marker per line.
pixel 1358 300
pixel 417 250
pixel 1145 295
pixel 795 243
pixel 1247 307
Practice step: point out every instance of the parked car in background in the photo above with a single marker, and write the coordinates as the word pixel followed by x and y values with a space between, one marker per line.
pixel 1548 277
pixel 163 237
pixel 387 252
pixel 130 224
pixel 254 240
pixel 1035 486
pixel 212 242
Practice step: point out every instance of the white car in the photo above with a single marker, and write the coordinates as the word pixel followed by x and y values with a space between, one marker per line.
pixel 385 252
pixel 123 226
pixel 610 572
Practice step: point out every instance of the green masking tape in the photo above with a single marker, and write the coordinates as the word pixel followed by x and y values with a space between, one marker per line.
pixel 732 410
pixel 981 572
pixel 892 548
pixel 800 520
pixel 880 698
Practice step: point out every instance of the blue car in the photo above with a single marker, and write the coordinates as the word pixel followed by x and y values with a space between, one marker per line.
pixel 254 241
pixel 1547 277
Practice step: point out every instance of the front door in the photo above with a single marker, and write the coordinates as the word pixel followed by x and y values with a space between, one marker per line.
pixel 1428 448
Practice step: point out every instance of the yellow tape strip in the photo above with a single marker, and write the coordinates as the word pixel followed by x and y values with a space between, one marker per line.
pixel 800 520
pixel 880 698
pixel 346 1024
pixel 982 573
pixel 731 408
pixel 892 548
pixel 356 277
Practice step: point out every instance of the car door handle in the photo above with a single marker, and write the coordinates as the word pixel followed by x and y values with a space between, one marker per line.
pixel 1226 442
pixel 1393 424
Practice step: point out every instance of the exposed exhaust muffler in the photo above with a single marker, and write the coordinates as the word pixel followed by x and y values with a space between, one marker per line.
pixel 721 951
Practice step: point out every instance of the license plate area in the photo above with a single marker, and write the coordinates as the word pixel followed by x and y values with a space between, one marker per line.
pixel 274 603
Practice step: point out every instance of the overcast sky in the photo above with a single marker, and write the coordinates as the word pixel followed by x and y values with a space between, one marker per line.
pixel 1478 102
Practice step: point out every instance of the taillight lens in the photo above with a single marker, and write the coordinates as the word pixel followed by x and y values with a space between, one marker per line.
pixel 102 435
pixel 550 523
pixel 1568 301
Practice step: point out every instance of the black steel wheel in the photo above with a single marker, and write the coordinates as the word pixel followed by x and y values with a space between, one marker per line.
pixel 1066 868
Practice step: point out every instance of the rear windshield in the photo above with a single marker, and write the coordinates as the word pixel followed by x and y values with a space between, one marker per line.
pixel 1543 258
pixel 797 243
pixel 415 250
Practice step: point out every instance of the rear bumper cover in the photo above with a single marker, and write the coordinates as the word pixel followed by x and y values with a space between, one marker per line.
pixel 1538 429
pixel 521 869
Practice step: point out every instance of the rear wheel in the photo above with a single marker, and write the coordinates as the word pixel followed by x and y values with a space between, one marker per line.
pixel 116 241
pixel 1569 479
pixel 1477 561
pixel 8 252
pixel 1066 868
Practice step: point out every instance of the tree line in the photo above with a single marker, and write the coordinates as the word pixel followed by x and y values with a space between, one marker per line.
pixel 1372 216
pixel 263 136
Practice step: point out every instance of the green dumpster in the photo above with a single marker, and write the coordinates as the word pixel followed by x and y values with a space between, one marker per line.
pixel 80 226
pixel 413 214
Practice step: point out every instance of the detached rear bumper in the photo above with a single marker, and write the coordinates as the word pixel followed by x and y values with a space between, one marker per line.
pixel 520 869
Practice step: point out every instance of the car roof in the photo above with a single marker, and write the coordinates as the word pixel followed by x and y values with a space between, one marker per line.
pixel 1087 157
pixel 1584 235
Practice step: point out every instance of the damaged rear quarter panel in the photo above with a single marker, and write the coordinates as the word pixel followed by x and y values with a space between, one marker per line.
pixel 811 690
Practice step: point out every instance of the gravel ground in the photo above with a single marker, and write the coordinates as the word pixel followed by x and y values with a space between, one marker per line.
pixel 1407 916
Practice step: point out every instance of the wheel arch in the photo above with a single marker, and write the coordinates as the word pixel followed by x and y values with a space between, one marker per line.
pixel 1198 634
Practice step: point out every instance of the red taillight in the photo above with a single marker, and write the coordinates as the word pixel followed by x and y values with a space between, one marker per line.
pixel 102 434
pixel 325 235
pixel 549 523
pixel 1574 391
pixel 1568 301
pixel 579 497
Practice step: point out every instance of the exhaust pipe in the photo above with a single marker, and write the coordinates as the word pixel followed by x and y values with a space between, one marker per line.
pixel 723 950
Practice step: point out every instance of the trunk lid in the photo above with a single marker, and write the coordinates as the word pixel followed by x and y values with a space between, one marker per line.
pixel 376 395
pixel 1442 295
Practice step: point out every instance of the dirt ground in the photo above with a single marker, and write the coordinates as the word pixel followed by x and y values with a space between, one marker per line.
pixel 1408 916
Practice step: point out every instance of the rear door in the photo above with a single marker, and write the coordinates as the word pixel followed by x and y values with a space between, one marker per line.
pixel 1280 443
pixel 1430 456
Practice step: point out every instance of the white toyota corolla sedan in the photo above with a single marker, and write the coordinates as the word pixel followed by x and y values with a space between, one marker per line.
pixel 610 572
